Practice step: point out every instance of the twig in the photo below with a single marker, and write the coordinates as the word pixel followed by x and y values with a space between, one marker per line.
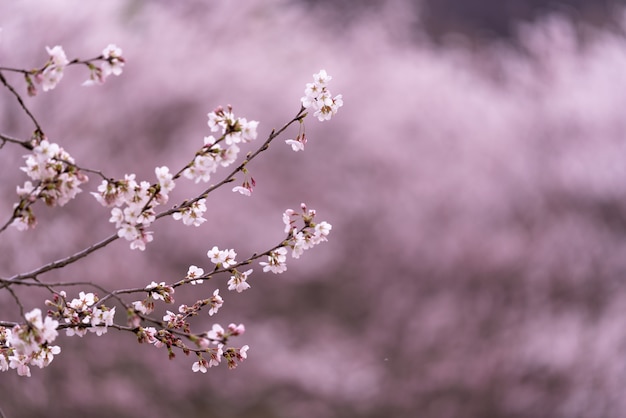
pixel 62 262
pixel 25 144
pixel 21 102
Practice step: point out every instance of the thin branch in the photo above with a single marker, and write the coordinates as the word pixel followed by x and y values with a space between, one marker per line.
pixel 39 70
pixel 17 301
pixel 21 102
pixel 9 222
pixel 26 144
pixel 62 262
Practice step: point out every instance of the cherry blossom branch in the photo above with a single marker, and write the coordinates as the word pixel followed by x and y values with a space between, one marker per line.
pixel 39 70
pixel 50 166
pixel 231 176
pixel 81 254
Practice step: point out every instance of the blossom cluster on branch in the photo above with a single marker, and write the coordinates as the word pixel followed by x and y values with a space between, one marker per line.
pixel 55 178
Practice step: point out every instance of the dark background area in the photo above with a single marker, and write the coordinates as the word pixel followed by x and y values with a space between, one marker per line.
pixel 478 19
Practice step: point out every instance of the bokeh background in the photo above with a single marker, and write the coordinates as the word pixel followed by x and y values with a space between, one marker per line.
pixel 475 179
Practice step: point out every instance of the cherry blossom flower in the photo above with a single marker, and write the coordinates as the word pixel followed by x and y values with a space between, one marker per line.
pixel 248 129
pixel 4 364
pixel 298 244
pixel 44 356
pixel 70 332
pixel 174 320
pixel 113 64
pixel 224 258
pixel 192 215
pixel 247 186
pixel 113 61
pixel 215 302
pixel 228 155
pixel 216 355
pixel 326 107
pixel 25 221
pixel 233 129
pixel 287 219
pixel 20 363
pixel 200 366
pixel 101 319
pixel 160 292
pixel 318 97
pixel 26 191
pixel 238 281
pixel 243 190
pixel 109 194
pixel 235 330
pixel 53 72
pixel 202 167
pixel 141 307
pixel 295 144
pixel 243 352
pixel 321 232
pixel 194 272
pixel 275 261
pixel 234 355
pixel 147 335
pixel 216 334
pixel 165 179
pixel 84 300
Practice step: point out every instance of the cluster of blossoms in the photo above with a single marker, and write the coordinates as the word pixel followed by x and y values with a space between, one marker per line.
pixel 52 72
pixel 233 131
pixel 81 314
pixel 28 344
pixel 318 97
pixel 192 213
pixel 226 259
pixel 218 336
pixel 299 239
pixel 113 62
pixel 134 204
pixel 156 291
pixel 55 180
pixel 211 342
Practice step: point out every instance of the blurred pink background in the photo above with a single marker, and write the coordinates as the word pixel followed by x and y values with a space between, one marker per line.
pixel 475 180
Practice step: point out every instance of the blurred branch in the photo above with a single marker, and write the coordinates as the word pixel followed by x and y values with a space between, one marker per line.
pixel 22 104
pixel 23 143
